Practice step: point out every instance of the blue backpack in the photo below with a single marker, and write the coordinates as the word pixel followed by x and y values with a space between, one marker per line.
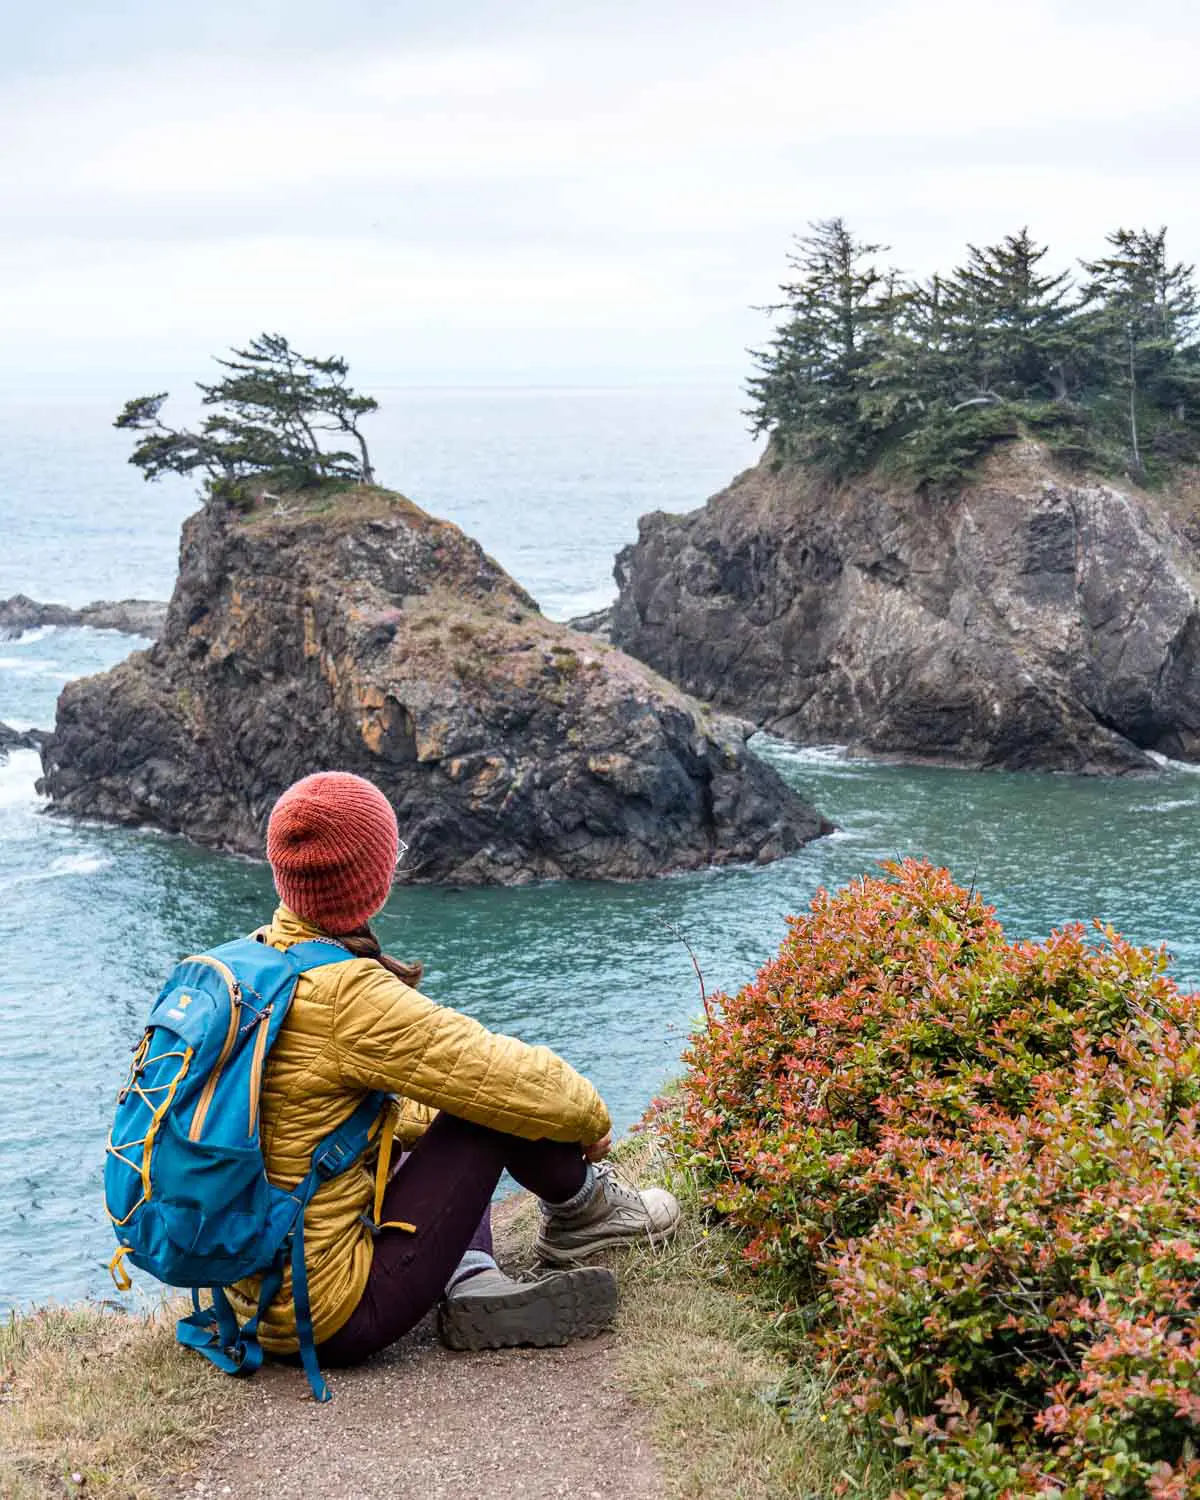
pixel 184 1180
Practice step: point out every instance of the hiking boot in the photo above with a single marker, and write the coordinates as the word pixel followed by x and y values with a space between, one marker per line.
pixel 613 1214
pixel 491 1311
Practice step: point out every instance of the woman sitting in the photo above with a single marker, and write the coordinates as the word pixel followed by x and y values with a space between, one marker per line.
pixel 468 1105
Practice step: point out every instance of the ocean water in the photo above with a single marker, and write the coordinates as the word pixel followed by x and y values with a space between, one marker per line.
pixel 552 482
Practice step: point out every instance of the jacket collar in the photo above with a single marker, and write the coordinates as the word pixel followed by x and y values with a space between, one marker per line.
pixel 287 927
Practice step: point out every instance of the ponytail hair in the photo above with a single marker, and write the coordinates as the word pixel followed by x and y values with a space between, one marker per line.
pixel 363 943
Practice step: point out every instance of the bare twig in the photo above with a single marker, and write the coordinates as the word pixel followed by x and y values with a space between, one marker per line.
pixel 677 932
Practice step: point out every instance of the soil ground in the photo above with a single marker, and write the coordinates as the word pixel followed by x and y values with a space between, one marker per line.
pixel 522 1424
pixel 422 1423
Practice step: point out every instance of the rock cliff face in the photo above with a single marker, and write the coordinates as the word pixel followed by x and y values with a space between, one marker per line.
pixel 360 633
pixel 1034 620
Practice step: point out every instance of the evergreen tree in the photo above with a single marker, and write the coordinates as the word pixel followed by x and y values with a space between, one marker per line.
pixel 1013 332
pixel 268 414
pixel 812 376
pixel 913 362
pixel 167 450
pixel 1144 320
pixel 865 366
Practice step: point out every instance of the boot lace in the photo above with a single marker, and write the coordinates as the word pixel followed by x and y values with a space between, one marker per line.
pixel 616 1190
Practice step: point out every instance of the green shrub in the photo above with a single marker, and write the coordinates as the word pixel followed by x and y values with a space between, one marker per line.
pixel 1032 1298
pixel 978 1163
pixel 950 441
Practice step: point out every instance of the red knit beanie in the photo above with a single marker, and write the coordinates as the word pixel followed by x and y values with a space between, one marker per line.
pixel 332 842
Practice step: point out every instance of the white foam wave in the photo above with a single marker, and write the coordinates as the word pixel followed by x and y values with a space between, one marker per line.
pixel 67 864
pixel 29 637
pixel 18 779
pixel 22 667
pixel 801 755
pixel 1187 767
pixel 827 760
pixel 105 633
pixel 1171 805
pixel 818 755
pixel 78 864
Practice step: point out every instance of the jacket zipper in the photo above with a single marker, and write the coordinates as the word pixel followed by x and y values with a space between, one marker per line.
pixel 256 1067
pixel 210 1087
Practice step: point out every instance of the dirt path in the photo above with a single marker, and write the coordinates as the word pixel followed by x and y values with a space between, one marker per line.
pixel 420 1423
pixel 430 1425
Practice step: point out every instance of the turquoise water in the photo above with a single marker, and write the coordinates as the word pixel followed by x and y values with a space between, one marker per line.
pixel 553 481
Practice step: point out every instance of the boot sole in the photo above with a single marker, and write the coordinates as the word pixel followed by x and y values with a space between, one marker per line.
pixel 574 1304
pixel 552 1256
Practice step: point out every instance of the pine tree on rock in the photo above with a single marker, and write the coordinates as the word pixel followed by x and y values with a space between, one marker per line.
pixel 269 416
pixel 1144 321
pixel 913 367
pixel 813 375
pixel 866 367
pixel 1013 326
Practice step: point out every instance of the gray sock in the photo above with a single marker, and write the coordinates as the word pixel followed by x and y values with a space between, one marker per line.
pixel 575 1202
pixel 471 1264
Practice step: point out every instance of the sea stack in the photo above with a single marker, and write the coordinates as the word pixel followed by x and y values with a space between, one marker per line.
pixel 128 616
pixel 355 631
pixel 1033 618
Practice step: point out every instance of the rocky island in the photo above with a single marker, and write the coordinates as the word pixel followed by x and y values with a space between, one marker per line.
pixel 971 538
pixel 354 630
pixel 1029 618
pixel 127 616
pixel 20 739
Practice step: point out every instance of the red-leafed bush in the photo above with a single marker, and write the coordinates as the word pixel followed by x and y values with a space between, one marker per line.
pixel 979 1162
pixel 1029 1303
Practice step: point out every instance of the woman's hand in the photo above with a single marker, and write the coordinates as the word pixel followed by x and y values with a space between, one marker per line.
pixel 600 1150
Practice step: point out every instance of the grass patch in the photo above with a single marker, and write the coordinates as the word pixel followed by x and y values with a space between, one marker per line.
pixel 700 1350
pixel 335 500
pixel 96 1402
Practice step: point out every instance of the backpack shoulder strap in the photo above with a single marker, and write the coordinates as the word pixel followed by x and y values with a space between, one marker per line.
pixel 315 953
pixel 340 1149
pixel 311 953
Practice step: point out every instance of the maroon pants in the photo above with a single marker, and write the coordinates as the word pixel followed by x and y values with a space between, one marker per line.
pixel 444 1188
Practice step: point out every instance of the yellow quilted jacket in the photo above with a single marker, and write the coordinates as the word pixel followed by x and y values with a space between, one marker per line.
pixel 354 1027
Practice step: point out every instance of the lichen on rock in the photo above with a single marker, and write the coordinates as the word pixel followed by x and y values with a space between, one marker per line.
pixel 358 632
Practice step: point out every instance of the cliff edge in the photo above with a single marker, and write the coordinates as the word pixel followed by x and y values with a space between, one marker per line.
pixel 1033 619
pixel 356 631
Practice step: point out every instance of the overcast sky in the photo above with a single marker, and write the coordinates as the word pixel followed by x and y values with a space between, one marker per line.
pixel 477 192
